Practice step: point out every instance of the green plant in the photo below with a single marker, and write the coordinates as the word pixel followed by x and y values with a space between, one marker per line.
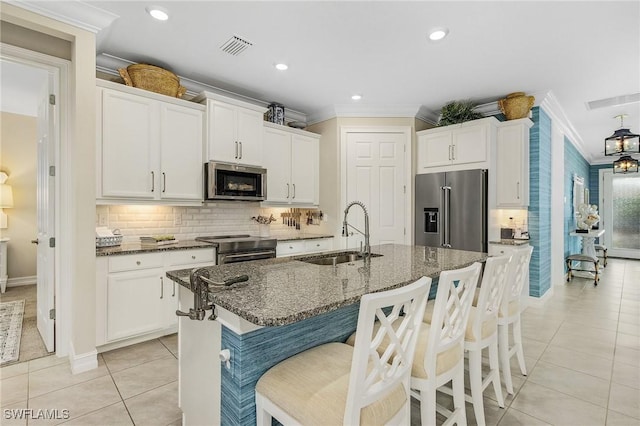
pixel 458 112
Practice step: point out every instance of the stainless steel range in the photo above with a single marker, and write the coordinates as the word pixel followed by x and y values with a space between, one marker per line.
pixel 241 248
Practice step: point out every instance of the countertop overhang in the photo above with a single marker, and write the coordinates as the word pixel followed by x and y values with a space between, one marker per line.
pixel 287 290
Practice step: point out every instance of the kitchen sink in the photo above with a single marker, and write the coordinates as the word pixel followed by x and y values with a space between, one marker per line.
pixel 336 258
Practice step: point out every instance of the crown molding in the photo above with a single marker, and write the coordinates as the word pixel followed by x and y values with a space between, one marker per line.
pixel 76 13
pixel 362 111
pixel 549 103
pixel 109 64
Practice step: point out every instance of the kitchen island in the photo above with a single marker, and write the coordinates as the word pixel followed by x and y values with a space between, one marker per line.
pixel 286 306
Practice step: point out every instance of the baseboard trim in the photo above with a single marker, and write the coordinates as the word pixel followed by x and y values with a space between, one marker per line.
pixel 538 302
pixel 16 282
pixel 82 362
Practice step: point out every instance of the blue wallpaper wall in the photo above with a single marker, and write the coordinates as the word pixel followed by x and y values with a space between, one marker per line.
pixel 574 164
pixel 594 184
pixel 540 203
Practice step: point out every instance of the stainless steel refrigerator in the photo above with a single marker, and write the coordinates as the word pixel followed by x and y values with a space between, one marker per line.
pixel 451 210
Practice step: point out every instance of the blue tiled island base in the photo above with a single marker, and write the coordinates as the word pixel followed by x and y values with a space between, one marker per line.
pixel 254 353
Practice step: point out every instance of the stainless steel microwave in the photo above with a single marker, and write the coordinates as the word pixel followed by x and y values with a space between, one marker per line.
pixel 224 181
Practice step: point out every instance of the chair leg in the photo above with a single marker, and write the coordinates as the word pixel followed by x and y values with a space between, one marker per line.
pixel 605 258
pixel 428 405
pixel 457 386
pixel 568 270
pixel 263 417
pixel 475 379
pixel 495 371
pixel 503 348
pixel 517 338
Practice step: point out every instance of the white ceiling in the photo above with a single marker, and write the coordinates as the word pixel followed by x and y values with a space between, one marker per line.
pixel 580 51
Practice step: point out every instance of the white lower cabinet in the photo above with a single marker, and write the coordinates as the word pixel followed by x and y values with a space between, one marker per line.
pixel 134 298
pixel 295 247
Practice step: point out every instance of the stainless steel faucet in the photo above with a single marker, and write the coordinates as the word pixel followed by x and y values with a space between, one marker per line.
pixel 345 225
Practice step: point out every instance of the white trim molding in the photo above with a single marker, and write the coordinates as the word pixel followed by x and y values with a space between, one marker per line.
pixel 20 281
pixel 539 302
pixel 82 362
pixel 76 13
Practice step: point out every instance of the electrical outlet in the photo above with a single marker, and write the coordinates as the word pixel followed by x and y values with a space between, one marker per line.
pixel 177 219
pixel 103 219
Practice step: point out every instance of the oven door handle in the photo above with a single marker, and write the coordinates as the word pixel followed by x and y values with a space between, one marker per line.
pixel 246 256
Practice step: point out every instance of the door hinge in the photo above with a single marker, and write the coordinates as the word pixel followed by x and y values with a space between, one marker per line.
pixel 405 231
pixel 404 188
pixel 52 314
pixel 52 99
pixel 52 170
pixel 52 242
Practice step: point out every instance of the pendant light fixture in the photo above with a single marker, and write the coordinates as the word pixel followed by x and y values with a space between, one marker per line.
pixel 622 141
pixel 625 164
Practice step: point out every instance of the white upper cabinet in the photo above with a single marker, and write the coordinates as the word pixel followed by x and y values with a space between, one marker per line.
pixel 234 130
pixel 148 148
pixel 512 163
pixel 456 147
pixel 291 158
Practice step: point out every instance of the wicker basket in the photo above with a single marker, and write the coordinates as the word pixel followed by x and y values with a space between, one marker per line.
pixel 516 105
pixel 152 78
pixel 116 240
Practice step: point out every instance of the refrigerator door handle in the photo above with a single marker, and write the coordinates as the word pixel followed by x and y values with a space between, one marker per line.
pixel 446 205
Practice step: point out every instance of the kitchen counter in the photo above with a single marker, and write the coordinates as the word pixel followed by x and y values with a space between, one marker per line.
pixel 300 236
pixel 510 242
pixel 286 290
pixel 135 248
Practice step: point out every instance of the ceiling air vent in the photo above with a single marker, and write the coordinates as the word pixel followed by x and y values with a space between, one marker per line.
pixel 615 101
pixel 235 45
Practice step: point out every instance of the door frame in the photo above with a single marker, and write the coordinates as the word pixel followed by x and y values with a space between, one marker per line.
pixel 63 194
pixel 606 216
pixel 404 130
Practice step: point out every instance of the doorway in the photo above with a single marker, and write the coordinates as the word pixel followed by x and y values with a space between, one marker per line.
pixel 30 89
pixel 620 201
pixel 377 172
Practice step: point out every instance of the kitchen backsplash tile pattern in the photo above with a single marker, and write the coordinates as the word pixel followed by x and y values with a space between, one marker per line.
pixel 187 223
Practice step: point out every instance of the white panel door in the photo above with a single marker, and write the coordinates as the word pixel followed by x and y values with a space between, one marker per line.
pixel 46 220
pixel 129 142
pixel 223 142
pixel 135 303
pixel 509 167
pixel 304 163
pixel 276 159
pixel 434 150
pixel 249 137
pixel 469 144
pixel 181 165
pixel 375 176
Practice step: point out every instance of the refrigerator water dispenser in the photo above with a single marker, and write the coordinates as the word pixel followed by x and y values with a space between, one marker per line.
pixel 430 220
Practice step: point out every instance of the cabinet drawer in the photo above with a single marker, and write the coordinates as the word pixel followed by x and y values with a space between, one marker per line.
pixel 318 245
pixel 287 248
pixel 135 261
pixel 502 250
pixel 187 257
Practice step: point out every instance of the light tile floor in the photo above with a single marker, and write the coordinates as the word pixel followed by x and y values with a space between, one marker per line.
pixel 582 351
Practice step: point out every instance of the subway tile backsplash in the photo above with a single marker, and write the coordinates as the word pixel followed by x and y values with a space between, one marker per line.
pixel 186 223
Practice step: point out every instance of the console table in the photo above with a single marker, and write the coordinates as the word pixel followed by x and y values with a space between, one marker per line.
pixel 588 246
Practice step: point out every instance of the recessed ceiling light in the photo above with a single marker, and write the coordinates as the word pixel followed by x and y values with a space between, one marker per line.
pixel 159 13
pixel 356 97
pixel 438 34
pixel 282 67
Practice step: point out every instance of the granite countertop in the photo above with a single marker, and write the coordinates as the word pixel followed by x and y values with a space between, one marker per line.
pixel 301 236
pixel 510 242
pixel 286 290
pixel 134 248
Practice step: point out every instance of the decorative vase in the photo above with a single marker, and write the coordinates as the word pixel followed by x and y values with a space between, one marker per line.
pixel 264 230
pixel 275 114
pixel 516 105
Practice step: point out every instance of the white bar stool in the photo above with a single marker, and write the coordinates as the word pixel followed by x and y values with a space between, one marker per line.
pixel 367 383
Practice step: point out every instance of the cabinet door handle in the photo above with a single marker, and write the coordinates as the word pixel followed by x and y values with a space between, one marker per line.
pixel 236 150
pixel 449 152
pixel 518 190
pixel 164 182
pixel 294 191
pixel 161 288
pixel 453 152
pixel 174 290
pixel 287 190
pixel 138 262
pixel 153 181
pixel 240 143
pixel 193 257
